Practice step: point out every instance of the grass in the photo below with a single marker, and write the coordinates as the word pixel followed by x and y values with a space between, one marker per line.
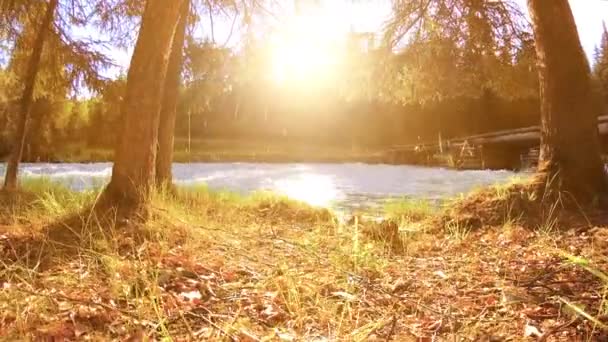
pixel 578 310
pixel 410 210
pixel 223 266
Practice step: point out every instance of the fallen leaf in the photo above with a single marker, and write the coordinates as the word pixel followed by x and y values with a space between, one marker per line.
pixel 192 295
pixel 441 275
pixel 400 285
pixel 344 295
pixel 229 276
pixel 283 336
pixel 271 315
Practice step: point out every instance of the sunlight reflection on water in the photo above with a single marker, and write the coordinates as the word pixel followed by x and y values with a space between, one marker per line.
pixel 314 189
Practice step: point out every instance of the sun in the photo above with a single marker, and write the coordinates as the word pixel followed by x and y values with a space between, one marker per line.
pixel 299 61
pixel 306 50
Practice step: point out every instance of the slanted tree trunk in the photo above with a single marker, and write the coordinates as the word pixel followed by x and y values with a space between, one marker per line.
pixel 135 157
pixel 570 159
pixel 25 103
pixel 166 128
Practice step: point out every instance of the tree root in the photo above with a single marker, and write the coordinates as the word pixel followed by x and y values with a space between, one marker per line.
pixel 532 205
pixel 108 213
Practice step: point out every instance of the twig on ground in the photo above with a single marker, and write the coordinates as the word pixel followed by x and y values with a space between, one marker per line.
pixel 392 331
pixel 557 329
pixel 220 329
pixel 79 301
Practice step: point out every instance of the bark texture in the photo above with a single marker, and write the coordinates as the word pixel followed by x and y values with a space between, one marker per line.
pixel 570 157
pixel 133 173
pixel 166 127
pixel 25 103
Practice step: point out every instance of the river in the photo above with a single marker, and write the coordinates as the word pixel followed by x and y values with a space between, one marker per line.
pixel 341 186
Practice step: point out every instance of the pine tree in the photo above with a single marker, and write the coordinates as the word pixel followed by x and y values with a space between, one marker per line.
pixel 47 59
pixel 568 115
pixel 133 174
pixel 25 103
pixel 166 127
pixel 600 69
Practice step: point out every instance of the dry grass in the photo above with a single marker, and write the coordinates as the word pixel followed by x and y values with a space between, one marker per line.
pixel 217 266
pixel 522 202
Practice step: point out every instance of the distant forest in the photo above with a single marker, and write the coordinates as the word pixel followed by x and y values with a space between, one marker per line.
pixel 425 90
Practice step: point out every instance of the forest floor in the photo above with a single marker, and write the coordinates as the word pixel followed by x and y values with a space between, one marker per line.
pixel 216 266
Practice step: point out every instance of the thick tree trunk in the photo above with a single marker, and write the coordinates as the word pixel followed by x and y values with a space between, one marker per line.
pixel 25 103
pixel 135 157
pixel 166 128
pixel 570 159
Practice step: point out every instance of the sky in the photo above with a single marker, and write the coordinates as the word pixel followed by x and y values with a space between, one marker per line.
pixel 589 15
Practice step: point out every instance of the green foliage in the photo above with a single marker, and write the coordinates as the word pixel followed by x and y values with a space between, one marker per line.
pixel 102 127
pixel 7 82
pixel 460 49
pixel 69 64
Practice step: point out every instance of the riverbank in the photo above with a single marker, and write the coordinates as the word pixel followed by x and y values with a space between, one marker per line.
pixel 183 156
pixel 253 151
pixel 218 266
pixel 221 150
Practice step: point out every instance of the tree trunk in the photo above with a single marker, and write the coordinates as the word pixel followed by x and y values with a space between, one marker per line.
pixel 135 157
pixel 166 128
pixel 25 103
pixel 570 159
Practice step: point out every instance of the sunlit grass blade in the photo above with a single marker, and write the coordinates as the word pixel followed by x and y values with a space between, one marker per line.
pixel 582 312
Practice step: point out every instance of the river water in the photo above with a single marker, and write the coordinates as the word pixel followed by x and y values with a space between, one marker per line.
pixel 341 186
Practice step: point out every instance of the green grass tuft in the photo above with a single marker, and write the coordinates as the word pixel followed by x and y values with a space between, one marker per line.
pixel 410 210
